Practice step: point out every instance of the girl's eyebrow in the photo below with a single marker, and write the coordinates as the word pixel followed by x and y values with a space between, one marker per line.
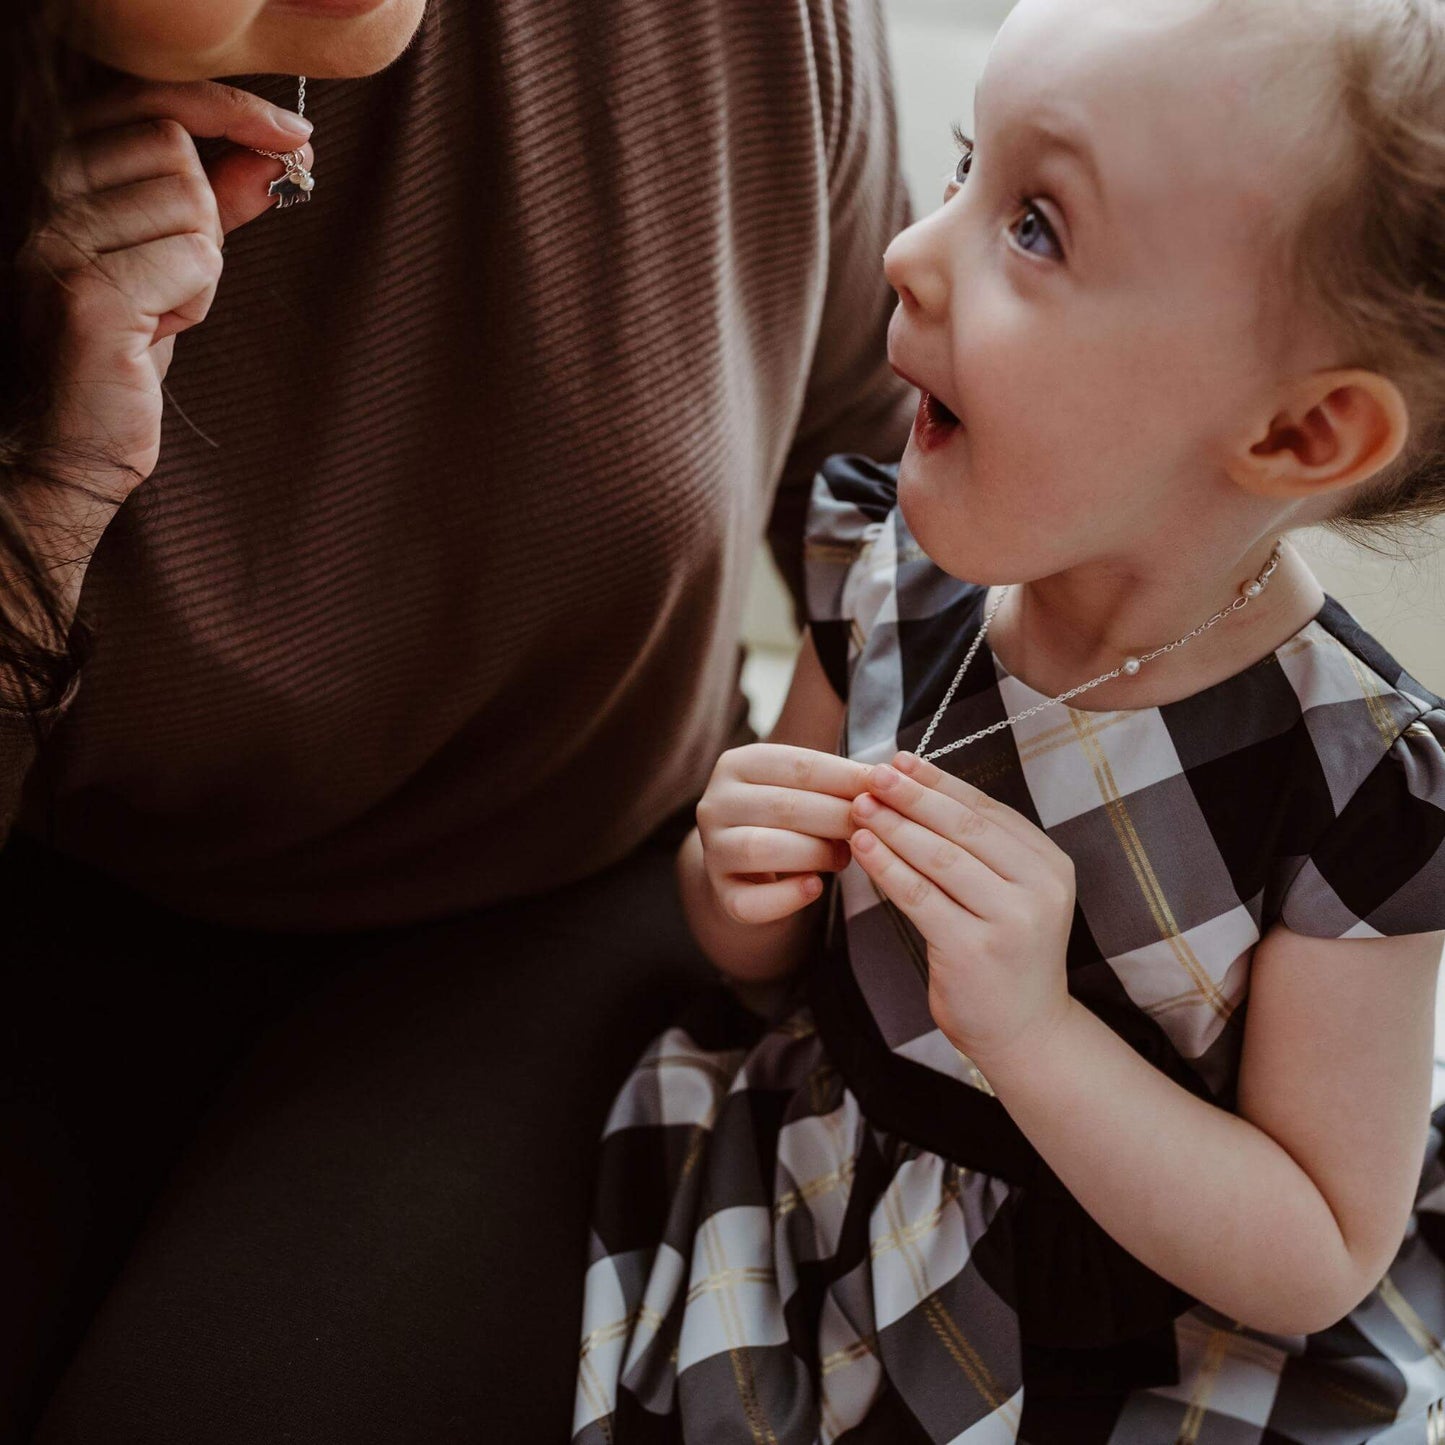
pixel 1066 142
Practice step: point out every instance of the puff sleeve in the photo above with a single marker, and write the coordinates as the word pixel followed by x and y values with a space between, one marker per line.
pixel 1379 868
pixel 849 508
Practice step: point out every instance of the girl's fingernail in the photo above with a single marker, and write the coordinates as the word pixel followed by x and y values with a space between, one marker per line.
pixel 812 887
pixel 863 841
pixel 865 806
pixel 905 762
pixel 296 124
pixel 884 776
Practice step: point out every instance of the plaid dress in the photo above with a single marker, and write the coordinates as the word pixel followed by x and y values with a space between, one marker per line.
pixel 827 1228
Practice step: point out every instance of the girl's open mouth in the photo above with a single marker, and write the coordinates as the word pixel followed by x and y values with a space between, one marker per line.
pixel 934 424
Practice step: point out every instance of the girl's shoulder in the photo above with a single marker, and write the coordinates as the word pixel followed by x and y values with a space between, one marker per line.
pixel 1372 738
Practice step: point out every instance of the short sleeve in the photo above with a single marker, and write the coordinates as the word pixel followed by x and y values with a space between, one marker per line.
pixel 1379 868
pixel 848 510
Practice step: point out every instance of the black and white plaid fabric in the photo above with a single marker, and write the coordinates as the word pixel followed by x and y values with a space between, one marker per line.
pixel 828 1229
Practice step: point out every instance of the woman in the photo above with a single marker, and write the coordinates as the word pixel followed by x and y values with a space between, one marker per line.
pixel 353 774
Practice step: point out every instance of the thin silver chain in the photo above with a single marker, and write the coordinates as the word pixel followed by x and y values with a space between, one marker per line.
pixel 1130 666
pixel 291 158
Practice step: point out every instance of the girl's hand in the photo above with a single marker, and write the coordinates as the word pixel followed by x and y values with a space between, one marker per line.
pixel 129 256
pixel 772 819
pixel 992 895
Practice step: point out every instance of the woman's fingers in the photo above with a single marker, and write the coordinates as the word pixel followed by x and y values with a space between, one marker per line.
pixel 201 107
pixel 147 292
pixel 239 180
pixel 131 215
pixel 106 160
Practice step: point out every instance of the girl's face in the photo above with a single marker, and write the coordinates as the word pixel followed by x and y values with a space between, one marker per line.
pixel 201 39
pixel 1086 302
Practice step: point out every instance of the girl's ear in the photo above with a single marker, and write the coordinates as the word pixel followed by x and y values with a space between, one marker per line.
pixel 1333 430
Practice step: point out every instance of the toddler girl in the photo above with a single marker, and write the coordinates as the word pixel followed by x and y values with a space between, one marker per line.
pixel 1093 1105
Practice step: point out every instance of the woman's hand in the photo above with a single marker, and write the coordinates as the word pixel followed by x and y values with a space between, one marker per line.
pixel 991 893
pixel 129 257
pixel 773 818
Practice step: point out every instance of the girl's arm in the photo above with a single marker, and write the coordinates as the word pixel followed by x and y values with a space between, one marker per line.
pixel 790 794
pixel 1283 1216
pixel 1286 1216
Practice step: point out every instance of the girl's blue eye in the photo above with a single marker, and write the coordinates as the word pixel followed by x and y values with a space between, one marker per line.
pixel 1032 225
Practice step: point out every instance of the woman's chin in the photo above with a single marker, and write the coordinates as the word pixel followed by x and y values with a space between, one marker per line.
pixel 326 39
pixel 333 39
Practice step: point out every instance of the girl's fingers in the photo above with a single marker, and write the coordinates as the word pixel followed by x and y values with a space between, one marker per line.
pixel 969 882
pixel 972 825
pixel 202 107
pixel 1007 819
pixel 768 902
pixel 782 765
pixel 819 815
pixel 751 849
pixel 936 916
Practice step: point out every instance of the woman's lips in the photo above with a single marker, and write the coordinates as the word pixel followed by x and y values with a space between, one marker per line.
pixel 935 425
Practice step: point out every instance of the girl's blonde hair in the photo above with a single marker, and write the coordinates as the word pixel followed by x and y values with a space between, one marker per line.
pixel 1368 248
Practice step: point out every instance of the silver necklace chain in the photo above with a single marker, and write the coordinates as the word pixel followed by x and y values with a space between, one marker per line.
pixel 298 183
pixel 1130 667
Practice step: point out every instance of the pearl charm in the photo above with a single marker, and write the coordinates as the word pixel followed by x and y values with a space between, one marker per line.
pixel 1132 666
pixel 1252 589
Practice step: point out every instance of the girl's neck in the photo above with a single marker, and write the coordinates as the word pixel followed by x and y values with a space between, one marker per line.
pixel 1057 632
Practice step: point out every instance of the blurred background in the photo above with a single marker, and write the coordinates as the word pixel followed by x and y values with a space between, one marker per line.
pixel 938 49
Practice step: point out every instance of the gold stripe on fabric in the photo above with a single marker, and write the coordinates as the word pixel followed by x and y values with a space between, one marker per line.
pixel 1435 1423
pixel 723 1280
pixel 742 1368
pixel 788 1201
pixel 1371 691
pixel 696 1147
pixel 848 1354
pixel 596 1399
pixel 1149 885
pixel 1375 1409
pixel 820 551
pixel 1051 740
pixel 820 1087
pixel 700 1062
pixel 1414 1326
pixel 969 1360
pixel 605 1334
pixel 902 1236
pixel 1198 1411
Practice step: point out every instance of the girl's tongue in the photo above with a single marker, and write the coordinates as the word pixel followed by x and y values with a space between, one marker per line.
pixel 934 424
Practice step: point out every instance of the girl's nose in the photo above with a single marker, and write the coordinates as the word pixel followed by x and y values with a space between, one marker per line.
pixel 915 270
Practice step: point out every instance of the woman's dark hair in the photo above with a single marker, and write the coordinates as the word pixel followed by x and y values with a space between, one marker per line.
pixel 40 78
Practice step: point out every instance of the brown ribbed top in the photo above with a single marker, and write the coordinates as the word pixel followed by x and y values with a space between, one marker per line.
pixel 435 594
